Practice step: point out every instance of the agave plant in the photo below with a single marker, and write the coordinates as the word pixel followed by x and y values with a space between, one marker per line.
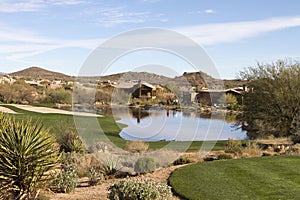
pixel 27 153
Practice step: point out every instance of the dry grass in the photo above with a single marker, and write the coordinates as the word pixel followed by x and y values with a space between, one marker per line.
pixel 136 146
pixel 252 150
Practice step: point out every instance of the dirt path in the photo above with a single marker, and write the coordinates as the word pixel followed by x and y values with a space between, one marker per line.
pixel 100 192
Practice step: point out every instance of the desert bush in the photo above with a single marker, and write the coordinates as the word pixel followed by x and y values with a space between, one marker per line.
pixel 224 156
pixel 182 160
pixel 82 162
pixel 233 146
pixel 136 146
pixel 111 164
pixel 139 189
pixel 70 141
pixel 27 153
pixel 96 177
pixel 86 162
pixel 145 165
pixel 164 158
pixel 64 181
pixel 252 149
pixel 102 147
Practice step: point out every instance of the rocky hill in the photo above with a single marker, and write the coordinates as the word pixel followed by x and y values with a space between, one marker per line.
pixel 39 73
pixel 188 79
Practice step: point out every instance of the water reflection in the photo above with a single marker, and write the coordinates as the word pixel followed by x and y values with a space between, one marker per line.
pixel 154 125
pixel 138 114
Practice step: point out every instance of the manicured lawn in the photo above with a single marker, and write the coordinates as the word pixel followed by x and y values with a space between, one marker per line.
pixel 252 178
pixel 88 129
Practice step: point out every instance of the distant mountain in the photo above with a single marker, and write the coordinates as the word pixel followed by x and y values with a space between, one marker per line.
pixel 188 79
pixel 39 73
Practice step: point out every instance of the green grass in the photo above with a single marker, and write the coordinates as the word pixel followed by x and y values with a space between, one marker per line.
pixel 252 178
pixel 192 146
pixel 88 129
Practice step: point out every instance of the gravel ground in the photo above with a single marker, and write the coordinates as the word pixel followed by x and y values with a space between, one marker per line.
pixel 100 192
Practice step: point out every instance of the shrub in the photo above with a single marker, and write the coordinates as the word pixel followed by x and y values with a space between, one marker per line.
pixel 136 146
pixel 145 165
pixel 139 189
pixel 163 157
pixel 296 138
pixel 70 142
pixel 27 153
pixel 233 146
pixel 95 176
pixel 252 150
pixel 64 181
pixel 224 156
pixel 182 160
pixel 111 164
pixel 209 158
pixel 101 147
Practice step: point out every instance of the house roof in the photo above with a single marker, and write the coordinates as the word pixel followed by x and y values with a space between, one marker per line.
pixel 148 85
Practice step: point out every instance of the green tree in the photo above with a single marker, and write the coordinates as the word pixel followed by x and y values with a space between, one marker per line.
pixel 232 102
pixel 60 96
pixel 272 104
pixel 27 153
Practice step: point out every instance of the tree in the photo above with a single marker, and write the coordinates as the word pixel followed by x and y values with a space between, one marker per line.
pixel 60 96
pixel 273 102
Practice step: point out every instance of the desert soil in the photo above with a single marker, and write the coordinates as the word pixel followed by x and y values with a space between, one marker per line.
pixel 100 192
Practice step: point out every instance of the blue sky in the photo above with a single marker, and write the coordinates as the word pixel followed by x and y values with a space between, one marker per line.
pixel 59 35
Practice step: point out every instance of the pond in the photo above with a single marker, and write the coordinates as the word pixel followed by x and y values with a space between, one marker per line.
pixel 169 125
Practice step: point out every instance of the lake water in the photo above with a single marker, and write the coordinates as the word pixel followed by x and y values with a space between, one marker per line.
pixel 153 125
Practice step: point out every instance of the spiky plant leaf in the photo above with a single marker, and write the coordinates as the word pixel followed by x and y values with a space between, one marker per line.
pixel 27 153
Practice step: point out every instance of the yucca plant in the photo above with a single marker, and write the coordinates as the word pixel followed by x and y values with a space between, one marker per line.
pixel 27 153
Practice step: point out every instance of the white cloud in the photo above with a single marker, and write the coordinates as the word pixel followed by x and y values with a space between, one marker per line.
pixel 111 16
pixel 21 44
pixel 209 11
pixel 29 6
pixel 67 2
pixel 33 5
pixel 211 34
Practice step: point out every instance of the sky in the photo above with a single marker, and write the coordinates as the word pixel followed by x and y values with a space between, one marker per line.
pixel 60 35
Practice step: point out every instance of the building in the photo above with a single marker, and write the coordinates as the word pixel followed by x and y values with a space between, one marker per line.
pixel 145 91
pixel 214 97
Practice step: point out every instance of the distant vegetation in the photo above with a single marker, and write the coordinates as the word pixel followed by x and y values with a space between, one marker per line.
pixel 38 86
